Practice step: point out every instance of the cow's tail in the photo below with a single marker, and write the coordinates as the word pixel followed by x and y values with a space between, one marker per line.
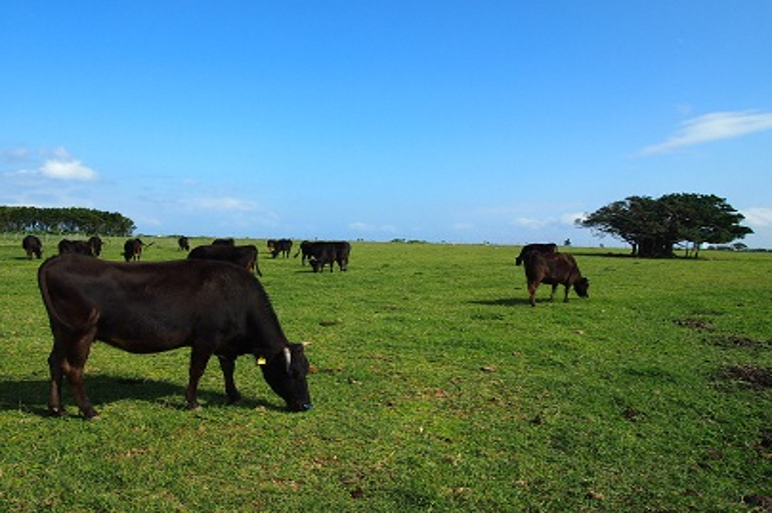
pixel 93 316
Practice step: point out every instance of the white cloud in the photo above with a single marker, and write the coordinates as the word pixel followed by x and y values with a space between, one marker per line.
pixel 67 170
pixel 713 127
pixel 758 216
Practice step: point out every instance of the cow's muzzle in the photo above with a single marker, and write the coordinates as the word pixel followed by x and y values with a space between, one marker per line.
pixel 300 407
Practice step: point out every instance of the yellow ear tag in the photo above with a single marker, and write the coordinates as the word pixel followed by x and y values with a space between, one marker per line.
pixel 261 360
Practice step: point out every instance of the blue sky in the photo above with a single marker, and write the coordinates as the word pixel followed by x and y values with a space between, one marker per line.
pixel 461 121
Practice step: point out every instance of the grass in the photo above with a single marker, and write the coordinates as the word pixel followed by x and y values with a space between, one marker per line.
pixel 437 388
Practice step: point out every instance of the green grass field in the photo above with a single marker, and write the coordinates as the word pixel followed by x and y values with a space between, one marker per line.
pixel 437 388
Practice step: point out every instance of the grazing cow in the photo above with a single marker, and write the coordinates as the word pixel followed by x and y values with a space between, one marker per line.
pixel 96 245
pixel 328 252
pixel 243 256
pixel 553 269
pixel 224 242
pixel 32 245
pixel 183 243
pixel 303 249
pixel 152 307
pixel 78 247
pixel 132 249
pixel 280 246
pixel 546 249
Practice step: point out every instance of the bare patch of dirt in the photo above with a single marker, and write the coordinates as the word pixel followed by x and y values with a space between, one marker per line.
pixel 737 341
pixel 756 378
pixel 695 323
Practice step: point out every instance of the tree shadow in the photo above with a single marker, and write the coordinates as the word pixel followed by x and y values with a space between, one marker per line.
pixel 32 395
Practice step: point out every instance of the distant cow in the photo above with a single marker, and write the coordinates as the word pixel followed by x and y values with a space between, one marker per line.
pixel 553 269
pixel 132 249
pixel 78 247
pixel 280 247
pixel 32 245
pixel 244 256
pixel 322 253
pixel 211 307
pixel 303 250
pixel 546 249
pixel 183 243
pixel 224 242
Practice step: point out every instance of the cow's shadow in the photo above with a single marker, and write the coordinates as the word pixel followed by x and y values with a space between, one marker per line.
pixel 31 396
pixel 504 301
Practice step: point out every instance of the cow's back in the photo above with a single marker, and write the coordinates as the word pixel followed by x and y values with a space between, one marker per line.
pixel 149 307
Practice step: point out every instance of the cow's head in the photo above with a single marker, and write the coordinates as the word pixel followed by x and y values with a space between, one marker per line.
pixel 582 287
pixel 286 374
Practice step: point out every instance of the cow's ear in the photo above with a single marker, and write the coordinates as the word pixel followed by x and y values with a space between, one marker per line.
pixel 260 360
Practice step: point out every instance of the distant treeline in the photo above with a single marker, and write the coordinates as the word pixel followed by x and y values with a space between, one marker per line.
pixel 73 220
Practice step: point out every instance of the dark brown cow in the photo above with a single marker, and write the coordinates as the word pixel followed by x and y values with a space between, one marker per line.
pixel 322 253
pixel 243 256
pixel 280 247
pixel 132 249
pixel 224 242
pixel 546 249
pixel 78 247
pixel 96 245
pixel 553 269
pixel 212 307
pixel 32 245
pixel 183 243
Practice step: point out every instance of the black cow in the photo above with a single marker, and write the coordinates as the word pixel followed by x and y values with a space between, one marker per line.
pixel 546 249
pixel 183 243
pixel 132 249
pixel 224 242
pixel 303 249
pixel 280 247
pixel 96 245
pixel 78 247
pixel 158 306
pixel 553 269
pixel 244 256
pixel 32 245
pixel 328 252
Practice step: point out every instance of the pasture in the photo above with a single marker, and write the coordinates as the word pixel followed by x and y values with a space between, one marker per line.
pixel 436 388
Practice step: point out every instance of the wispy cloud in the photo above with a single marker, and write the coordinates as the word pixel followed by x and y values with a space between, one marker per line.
pixel 758 216
pixel 222 203
pixel 57 164
pixel 713 127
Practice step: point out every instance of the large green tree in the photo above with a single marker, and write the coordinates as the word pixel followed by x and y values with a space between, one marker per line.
pixel 73 220
pixel 653 226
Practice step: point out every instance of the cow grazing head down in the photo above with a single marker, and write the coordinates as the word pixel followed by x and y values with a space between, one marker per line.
pixel 582 288
pixel 286 374
pixel 215 308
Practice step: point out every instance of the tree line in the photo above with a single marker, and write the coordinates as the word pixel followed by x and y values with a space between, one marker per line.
pixel 653 226
pixel 71 220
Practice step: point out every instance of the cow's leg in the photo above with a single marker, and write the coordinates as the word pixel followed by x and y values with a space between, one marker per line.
pixel 56 365
pixel 69 359
pixel 228 366
pixel 554 288
pixel 198 360
pixel 532 286
pixel 565 298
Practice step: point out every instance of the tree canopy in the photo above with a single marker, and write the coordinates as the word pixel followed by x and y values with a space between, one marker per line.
pixel 653 226
pixel 71 220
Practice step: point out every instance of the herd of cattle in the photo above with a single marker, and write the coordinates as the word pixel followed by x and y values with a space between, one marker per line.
pixel 317 253
pixel 203 302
